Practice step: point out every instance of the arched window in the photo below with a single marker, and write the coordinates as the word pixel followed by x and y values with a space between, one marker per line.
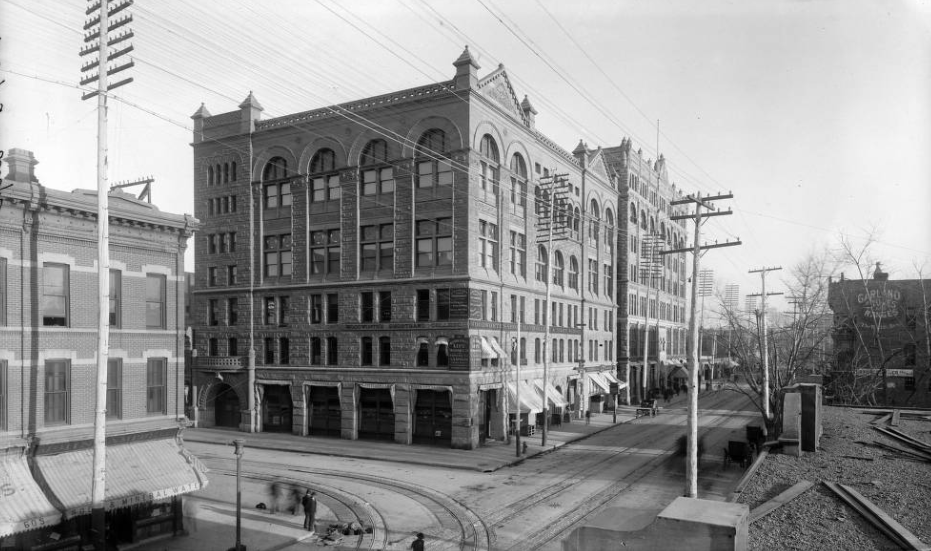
pixel 559 269
pixel 233 175
pixel 442 352
pixel 518 185
pixel 633 214
pixel 542 261
pixel 594 219
pixel 536 351
pixel 643 219
pixel 324 180
pixel 490 169
pixel 573 273
pixel 433 168
pixel 652 226
pixel 276 195
pixel 209 175
pixel 226 173
pixel 423 355
pixel 576 220
pixel 275 169
pixel 377 176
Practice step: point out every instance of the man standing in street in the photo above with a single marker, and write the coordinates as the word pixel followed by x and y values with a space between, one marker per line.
pixel 417 544
pixel 309 502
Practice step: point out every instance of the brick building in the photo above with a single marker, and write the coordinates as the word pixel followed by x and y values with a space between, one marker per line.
pixel 48 364
pixel 378 256
pixel 652 286
pixel 881 336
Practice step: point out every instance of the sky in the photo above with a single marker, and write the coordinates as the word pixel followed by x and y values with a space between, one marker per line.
pixel 815 114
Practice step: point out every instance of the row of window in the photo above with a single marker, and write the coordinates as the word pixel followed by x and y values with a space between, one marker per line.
pixel 674 344
pixel 221 205
pixel 221 243
pixel 637 306
pixel 58 390
pixel 55 302
pixel 221 173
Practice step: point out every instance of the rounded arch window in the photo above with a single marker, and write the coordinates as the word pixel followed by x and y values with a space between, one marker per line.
pixel 490 171
pixel 430 157
pixel 573 273
pixel 633 214
pixel 377 176
pixel 576 220
pixel 275 169
pixel 519 183
pixel 324 181
pixel 643 219
pixel 542 264
pixel 209 175
pixel 595 217
pixel 559 268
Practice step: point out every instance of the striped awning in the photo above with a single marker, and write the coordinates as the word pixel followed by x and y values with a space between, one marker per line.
pixel 137 473
pixel 530 401
pixel 552 394
pixel 599 382
pixel 23 506
pixel 610 378
pixel 487 351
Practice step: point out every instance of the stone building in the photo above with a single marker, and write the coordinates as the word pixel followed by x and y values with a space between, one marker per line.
pixel 383 258
pixel 880 341
pixel 651 286
pixel 48 364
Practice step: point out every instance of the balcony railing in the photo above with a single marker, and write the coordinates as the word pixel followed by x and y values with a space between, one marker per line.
pixel 221 362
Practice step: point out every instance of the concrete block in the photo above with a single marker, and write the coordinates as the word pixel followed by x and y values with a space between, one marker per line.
pixel 687 523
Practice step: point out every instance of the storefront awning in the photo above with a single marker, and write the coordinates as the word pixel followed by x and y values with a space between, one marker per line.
pixel 610 378
pixel 487 351
pixel 498 350
pixel 680 373
pixel 23 506
pixel 529 398
pixel 137 473
pixel 599 383
pixel 555 397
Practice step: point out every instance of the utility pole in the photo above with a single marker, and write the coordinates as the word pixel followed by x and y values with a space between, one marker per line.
pixel 515 345
pixel 103 27
pixel 691 466
pixel 648 271
pixel 554 222
pixel 764 353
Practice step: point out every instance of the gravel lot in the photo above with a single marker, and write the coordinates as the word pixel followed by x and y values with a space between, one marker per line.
pixel 818 519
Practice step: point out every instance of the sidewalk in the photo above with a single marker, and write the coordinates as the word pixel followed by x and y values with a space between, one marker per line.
pixel 489 457
pixel 214 526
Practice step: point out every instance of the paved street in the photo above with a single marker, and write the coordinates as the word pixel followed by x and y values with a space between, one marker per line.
pixel 601 474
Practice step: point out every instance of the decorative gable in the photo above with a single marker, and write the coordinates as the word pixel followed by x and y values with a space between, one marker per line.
pixel 497 87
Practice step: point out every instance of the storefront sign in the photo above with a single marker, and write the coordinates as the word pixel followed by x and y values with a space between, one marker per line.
pixel 459 352
pixel 900 372
pixel 880 304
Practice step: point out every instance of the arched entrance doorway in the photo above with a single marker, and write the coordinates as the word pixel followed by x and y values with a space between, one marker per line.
pixel 276 408
pixel 226 406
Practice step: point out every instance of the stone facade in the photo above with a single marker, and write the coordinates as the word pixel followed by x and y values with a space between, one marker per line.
pixel 362 199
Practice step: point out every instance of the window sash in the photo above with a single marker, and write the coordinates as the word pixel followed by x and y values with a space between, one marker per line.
pixel 155 301
pixel 57 392
pixel 157 385
pixel 114 388
pixel 55 295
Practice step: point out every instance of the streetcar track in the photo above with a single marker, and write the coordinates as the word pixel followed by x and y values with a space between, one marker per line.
pixel 457 521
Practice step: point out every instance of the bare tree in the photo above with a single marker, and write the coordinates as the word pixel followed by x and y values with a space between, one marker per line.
pixel 795 343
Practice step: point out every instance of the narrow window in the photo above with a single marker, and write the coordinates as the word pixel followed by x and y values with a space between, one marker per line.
pixel 332 351
pixel 316 309
pixel 442 304
pixel 269 351
pixel 423 305
pixel 57 392
pixel 366 350
pixel 157 385
pixel 233 345
pixel 284 350
pixel 115 298
pixel 332 304
pixel 55 295
pixel 384 348
pixel 384 306
pixel 232 315
pixel 3 393
pixel 442 355
pixel 368 306
pixel 155 301
pixel 423 355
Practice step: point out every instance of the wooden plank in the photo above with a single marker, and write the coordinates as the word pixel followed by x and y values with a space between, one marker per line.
pixel 895 418
pixel 912 453
pixel 796 490
pixel 901 532
pixel 915 443
pixel 864 511
pixel 919 447
pixel 882 420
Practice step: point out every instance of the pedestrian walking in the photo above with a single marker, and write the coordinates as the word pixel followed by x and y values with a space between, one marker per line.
pixel 418 544
pixel 309 502
pixel 189 511
pixel 296 496
pixel 588 417
pixel 678 389
pixel 274 494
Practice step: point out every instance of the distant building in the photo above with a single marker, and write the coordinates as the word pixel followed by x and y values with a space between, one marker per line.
pixel 732 297
pixel 48 365
pixel 651 286
pixel 881 337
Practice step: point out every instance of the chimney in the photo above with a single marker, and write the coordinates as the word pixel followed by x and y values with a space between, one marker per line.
pixel 466 71
pixel 198 118
pixel 529 112
pixel 22 166
pixel 581 153
pixel 250 111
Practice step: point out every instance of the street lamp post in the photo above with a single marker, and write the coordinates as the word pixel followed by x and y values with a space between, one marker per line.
pixel 240 444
